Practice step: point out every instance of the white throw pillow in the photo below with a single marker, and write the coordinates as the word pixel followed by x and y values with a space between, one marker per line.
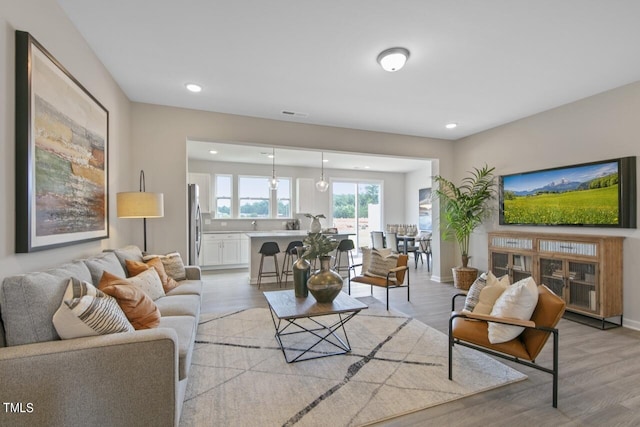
pixel 490 293
pixel 518 301
pixel 86 311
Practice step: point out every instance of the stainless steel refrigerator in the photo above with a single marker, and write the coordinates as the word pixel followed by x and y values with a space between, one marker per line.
pixel 195 225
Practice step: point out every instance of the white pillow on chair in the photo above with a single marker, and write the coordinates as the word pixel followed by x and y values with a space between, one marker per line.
pixel 518 301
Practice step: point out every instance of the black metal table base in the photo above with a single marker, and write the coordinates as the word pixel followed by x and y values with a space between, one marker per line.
pixel 323 333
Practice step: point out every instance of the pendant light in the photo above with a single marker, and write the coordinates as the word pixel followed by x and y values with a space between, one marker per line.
pixel 273 181
pixel 322 185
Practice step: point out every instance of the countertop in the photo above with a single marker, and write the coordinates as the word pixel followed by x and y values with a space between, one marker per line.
pixel 285 233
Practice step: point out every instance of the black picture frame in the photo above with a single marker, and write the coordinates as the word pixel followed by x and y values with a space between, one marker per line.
pixel 62 154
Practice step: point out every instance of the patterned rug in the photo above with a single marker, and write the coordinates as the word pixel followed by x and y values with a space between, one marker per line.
pixel 397 365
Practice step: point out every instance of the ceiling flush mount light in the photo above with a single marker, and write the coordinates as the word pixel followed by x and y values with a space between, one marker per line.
pixel 273 181
pixel 451 125
pixel 322 185
pixel 393 59
pixel 193 87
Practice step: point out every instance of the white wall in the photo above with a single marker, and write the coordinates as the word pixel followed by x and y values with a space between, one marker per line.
pixel 601 127
pixel 413 182
pixel 49 25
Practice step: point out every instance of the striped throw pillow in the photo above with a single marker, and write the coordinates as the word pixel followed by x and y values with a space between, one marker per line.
pixel 87 311
pixel 173 265
pixel 473 295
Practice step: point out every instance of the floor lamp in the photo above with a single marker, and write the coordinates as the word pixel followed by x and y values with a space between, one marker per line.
pixel 140 205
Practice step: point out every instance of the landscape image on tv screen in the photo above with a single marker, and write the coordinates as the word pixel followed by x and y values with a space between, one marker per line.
pixel 575 195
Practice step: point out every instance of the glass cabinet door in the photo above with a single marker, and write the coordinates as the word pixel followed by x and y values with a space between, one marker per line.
pixel 521 266
pixel 552 275
pixel 499 263
pixel 582 286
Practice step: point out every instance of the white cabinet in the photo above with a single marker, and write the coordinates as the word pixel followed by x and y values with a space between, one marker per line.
pixel 305 195
pixel 204 185
pixel 224 250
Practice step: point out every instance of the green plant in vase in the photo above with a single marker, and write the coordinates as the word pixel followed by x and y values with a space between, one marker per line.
pixel 318 245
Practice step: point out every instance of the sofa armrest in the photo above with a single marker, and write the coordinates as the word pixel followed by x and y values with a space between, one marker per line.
pixel 193 272
pixel 118 379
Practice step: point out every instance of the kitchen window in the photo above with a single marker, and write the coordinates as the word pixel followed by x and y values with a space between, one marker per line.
pixel 255 200
pixel 224 196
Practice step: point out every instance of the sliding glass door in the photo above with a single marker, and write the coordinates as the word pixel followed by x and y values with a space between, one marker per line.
pixel 357 209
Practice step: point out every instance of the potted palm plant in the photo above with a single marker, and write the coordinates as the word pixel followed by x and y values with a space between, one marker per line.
pixel 464 207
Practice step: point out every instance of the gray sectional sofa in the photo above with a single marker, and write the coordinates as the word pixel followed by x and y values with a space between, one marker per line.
pixel 122 379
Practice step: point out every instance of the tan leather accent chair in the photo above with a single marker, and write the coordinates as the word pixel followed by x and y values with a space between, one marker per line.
pixel 394 279
pixel 471 330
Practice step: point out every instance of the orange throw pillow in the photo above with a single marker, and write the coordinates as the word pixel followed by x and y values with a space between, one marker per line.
pixel 141 311
pixel 136 267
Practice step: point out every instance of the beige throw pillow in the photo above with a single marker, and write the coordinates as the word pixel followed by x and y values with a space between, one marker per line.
pixel 490 293
pixel 382 261
pixel 173 265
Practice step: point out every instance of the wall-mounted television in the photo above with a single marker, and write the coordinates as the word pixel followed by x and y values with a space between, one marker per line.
pixel 597 194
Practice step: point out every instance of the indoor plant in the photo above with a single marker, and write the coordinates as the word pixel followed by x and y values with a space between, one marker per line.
pixel 464 207
pixel 324 284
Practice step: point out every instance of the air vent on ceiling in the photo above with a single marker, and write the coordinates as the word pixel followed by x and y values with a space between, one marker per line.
pixel 293 113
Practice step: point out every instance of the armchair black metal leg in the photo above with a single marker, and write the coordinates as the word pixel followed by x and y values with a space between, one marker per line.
pixel 555 369
pixel 451 349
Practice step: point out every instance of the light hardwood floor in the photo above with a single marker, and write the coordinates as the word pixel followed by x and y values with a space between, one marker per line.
pixel 599 370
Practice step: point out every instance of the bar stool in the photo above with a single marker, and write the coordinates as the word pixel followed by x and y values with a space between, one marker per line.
pixel 345 247
pixel 287 263
pixel 269 249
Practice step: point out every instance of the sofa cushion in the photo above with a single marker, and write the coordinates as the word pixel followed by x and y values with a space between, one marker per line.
pixel 106 261
pixel 136 267
pixel 173 264
pixel 87 311
pixel 141 311
pixel 517 302
pixel 185 327
pixel 187 287
pixel 28 302
pixel 179 305
pixel 130 252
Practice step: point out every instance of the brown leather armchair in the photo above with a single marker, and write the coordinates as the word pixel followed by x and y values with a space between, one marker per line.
pixel 401 272
pixel 471 330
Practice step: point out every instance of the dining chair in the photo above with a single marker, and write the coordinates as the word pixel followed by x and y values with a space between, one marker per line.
pixel 377 239
pixel 391 240
pixel 424 248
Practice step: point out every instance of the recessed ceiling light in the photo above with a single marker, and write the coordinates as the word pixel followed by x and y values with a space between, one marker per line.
pixel 213 152
pixel 451 125
pixel 193 87
pixel 367 167
pixel 325 160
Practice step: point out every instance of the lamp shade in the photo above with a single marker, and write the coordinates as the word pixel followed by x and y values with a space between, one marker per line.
pixel 140 204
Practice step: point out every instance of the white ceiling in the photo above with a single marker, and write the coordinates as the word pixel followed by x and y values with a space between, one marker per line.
pixel 478 63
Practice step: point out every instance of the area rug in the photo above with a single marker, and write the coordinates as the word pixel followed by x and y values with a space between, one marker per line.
pixel 397 365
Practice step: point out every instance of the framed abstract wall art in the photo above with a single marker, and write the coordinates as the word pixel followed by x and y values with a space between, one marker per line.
pixel 62 140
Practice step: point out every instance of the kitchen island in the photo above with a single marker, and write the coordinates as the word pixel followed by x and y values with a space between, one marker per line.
pixel 282 238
